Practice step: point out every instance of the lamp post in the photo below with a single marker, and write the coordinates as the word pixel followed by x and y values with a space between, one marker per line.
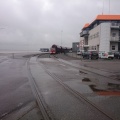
pixel 61 36
pixel 109 6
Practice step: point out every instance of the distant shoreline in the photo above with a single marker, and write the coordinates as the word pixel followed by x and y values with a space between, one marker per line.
pixel 19 51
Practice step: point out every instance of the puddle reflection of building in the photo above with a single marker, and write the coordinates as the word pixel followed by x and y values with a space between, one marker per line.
pixel 111 89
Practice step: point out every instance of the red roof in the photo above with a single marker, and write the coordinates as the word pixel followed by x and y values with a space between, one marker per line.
pixel 108 17
pixel 104 17
pixel 86 25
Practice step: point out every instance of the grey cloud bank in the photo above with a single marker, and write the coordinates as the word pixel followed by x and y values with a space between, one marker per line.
pixel 31 24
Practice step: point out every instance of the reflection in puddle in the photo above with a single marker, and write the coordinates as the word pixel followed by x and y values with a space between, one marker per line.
pixel 108 89
pixel 86 80
pixel 111 89
pixel 117 77
pixel 114 87
pixel 82 72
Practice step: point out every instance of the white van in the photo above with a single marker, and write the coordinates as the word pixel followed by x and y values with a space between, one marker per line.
pixel 106 55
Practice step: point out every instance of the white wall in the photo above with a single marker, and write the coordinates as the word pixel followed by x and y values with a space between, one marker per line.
pixel 104 37
pixel 95 40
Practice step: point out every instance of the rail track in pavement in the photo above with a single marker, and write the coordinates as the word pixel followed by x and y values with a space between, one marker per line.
pixel 76 94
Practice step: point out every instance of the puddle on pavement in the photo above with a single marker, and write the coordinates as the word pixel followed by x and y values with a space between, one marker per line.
pixel 117 77
pixel 107 89
pixel 86 80
pixel 82 72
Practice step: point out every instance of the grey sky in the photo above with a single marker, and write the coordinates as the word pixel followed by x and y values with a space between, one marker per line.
pixel 31 24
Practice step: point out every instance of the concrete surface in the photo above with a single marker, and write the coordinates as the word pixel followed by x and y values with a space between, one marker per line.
pixel 61 103
pixel 28 112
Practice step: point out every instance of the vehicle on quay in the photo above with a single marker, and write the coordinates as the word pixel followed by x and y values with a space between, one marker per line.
pixel 117 55
pixel 90 55
pixel 101 53
pixel 55 49
pixel 52 51
pixel 106 55
pixel 44 49
pixel 79 52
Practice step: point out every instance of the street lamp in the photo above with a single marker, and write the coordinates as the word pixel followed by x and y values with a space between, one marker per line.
pixel 61 36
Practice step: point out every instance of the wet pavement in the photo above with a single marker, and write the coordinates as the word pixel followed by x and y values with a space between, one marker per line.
pixel 100 90
pixel 28 112
pixel 96 83
pixel 61 103
pixel 15 89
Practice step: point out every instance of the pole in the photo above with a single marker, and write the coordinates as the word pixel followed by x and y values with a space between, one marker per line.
pixel 61 37
pixel 103 8
pixel 109 6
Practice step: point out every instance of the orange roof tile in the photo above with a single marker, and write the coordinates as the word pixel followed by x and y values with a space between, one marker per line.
pixel 86 25
pixel 103 17
pixel 108 17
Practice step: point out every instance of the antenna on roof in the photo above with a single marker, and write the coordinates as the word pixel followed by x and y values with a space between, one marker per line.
pixel 109 6
pixel 103 7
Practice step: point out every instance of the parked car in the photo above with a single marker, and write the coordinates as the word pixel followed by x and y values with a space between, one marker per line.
pixel 107 55
pixel 101 53
pixel 90 55
pixel 79 52
pixel 117 55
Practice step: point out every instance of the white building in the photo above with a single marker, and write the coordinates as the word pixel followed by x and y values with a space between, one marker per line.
pixel 103 34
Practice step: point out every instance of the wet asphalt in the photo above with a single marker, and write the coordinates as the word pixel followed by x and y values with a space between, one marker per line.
pixel 15 90
pixel 104 92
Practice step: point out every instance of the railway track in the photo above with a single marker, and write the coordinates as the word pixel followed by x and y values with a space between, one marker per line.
pixel 40 101
pixel 56 57
pixel 76 94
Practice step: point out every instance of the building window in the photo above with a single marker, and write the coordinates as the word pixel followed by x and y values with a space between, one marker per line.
pixel 113 23
pixel 113 34
pixel 95 47
pixel 113 47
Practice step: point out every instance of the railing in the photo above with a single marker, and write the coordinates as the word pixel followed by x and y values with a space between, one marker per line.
pixel 115 25
pixel 116 38
pixel 83 33
pixel 85 45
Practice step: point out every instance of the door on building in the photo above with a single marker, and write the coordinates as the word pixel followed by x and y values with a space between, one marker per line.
pixel 97 47
pixel 119 46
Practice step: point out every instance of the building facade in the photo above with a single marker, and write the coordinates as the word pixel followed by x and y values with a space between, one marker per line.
pixel 103 34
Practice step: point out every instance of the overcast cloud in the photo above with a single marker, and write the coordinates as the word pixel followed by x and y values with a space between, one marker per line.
pixel 32 24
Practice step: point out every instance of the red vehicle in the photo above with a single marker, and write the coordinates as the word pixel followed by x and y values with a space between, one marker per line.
pixel 52 51
pixel 55 49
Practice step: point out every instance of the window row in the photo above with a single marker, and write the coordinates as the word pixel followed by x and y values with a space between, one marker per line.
pixel 94 36
pixel 115 24
pixel 113 47
pixel 92 47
